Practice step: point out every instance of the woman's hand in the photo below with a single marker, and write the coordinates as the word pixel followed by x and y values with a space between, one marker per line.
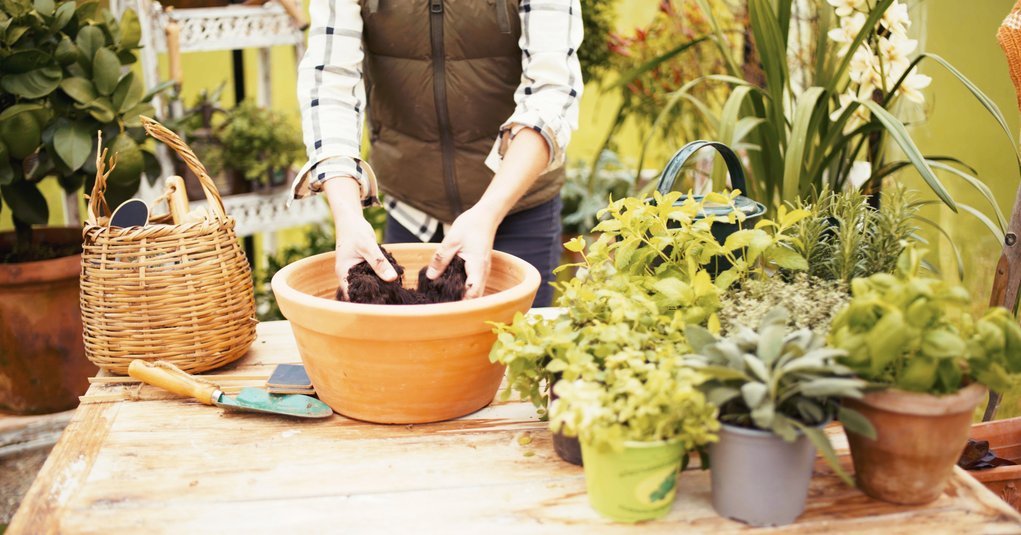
pixel 470 237
pixel 356 239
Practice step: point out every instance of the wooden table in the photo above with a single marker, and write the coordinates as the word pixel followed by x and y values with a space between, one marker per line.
pixel 164 464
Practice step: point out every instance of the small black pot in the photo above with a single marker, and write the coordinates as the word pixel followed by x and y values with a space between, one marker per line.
pixel 567 448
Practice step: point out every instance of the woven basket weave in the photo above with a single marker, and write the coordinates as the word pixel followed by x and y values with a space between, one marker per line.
pixel 179 293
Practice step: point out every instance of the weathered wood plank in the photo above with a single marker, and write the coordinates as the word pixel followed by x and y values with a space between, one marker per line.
pixel 170 465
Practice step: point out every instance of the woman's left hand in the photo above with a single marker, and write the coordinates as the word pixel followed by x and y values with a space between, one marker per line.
pixel 471 237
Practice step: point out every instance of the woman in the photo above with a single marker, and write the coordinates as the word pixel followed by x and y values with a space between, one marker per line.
pixel 471 104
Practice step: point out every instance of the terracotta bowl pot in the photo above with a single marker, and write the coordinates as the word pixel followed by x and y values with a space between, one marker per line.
pixel 919 438
pixel 400 364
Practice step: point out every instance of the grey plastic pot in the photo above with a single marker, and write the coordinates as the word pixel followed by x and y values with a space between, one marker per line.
pixel 758 478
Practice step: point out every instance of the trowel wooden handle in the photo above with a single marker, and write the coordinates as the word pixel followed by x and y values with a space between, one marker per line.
pixel 174 381
pixel 178 200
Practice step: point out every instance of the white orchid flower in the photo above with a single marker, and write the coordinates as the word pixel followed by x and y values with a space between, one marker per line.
pixel 896 51
pixel 896 19
pixel 913 86
pixel 845 8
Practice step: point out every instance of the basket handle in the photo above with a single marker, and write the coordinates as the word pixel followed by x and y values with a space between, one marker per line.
pixel 182 149
pixel 676 163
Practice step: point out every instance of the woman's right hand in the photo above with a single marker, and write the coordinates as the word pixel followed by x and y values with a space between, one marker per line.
pixel 356 239
pixel 356 242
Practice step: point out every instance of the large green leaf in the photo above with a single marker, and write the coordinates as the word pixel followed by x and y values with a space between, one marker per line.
pixel 33 84
pixel 18 108
pixel 80 89
pixel 900 135
pixel 106 71
pixel 67 52
pixel 101 109
pixel 26 202
pixel 45 7
pixel 63 16
pixel 128 93
pixel 73 144
pixel 89 40
pixel 24 61
pixel 806 114
pixel 129 29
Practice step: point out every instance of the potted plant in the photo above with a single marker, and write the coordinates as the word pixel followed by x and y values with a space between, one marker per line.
pixel 635 419
pixel 775 390
pixel 912 336
pixel 197 127
pixel 648 264
pixel 260 144
pixel 61 81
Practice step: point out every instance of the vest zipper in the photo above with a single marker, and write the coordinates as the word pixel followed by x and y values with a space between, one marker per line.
pixel 440 98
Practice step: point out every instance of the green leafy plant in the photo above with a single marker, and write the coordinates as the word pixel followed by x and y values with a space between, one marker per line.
pixel 644 393
pixel 258 142
pixel 61 81
pixel 812 302
pixel 587 189
pixel 811 123
pixel 914 333
pixel 772 379
pixel 644 275
pixel 845 237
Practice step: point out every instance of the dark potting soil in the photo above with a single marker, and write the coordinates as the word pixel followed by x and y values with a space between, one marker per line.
pixel 364 286
pixel 38 252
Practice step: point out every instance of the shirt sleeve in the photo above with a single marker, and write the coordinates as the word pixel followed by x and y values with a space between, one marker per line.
pixel 551 83
pixel 331 93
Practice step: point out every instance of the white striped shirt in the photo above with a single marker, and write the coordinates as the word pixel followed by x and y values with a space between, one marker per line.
pixel 331 92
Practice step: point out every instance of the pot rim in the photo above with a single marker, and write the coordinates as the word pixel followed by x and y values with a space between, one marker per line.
pixel 519 291
pixel 43 271
pixel 642 444
pixel 759 433
pixel 921 404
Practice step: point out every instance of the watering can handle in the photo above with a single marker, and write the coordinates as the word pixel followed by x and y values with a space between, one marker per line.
pixel 673 167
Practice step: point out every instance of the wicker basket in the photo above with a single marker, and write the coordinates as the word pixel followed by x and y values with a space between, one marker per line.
pixel 181 293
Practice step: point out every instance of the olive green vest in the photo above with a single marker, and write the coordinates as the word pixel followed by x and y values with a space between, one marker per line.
pixel 441 76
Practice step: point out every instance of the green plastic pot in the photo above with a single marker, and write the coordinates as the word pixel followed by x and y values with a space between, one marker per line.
pixel 636 484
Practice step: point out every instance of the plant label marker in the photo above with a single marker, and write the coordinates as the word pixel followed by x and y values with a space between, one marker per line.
pixel 130 213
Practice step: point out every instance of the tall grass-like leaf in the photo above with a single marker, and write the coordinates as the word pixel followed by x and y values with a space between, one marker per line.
pixel 987 193
pixel 729 117
pixel 643 68
pixel 806 120
pixel 900 135
pixel 953 246
pixel 719 38
pixel 984 219
pixel 983 99
pixel 773 54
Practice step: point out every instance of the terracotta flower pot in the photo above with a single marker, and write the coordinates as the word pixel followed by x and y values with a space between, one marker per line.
pixel 1004 438
pixel 42 355
pixel 401 363
pixel 918 440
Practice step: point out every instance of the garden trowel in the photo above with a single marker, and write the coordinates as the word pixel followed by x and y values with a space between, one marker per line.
pixel 171 378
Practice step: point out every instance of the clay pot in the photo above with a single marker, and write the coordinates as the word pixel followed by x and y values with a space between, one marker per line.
pixel 1004 438
pixel 401 363
pixel 43 367
pixel 919 438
